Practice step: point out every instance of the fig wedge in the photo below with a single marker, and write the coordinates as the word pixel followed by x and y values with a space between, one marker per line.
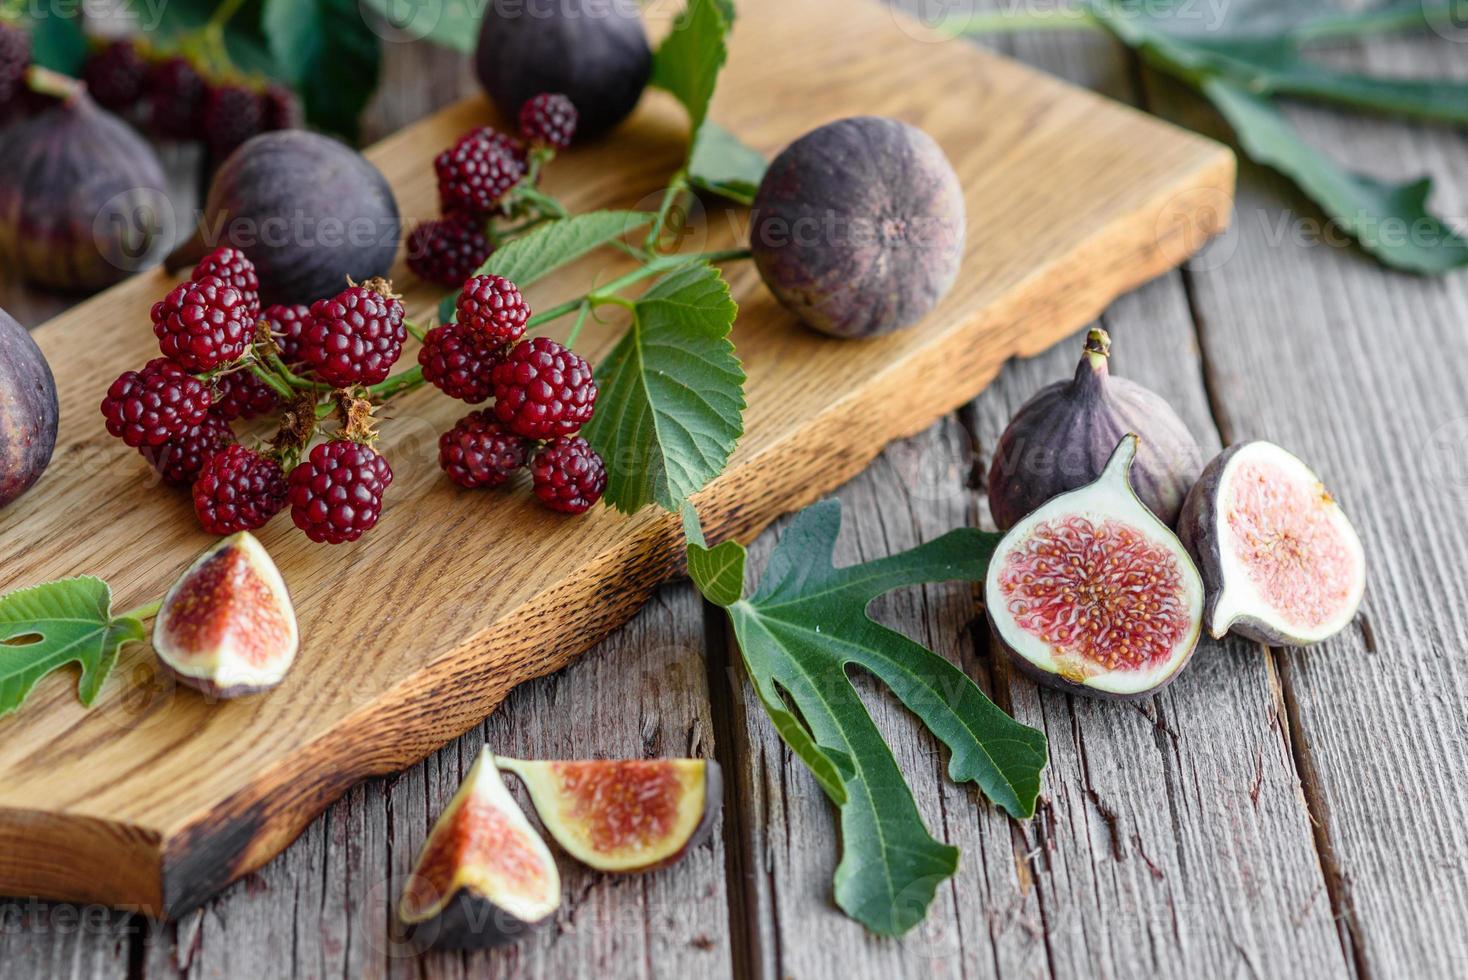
pixel 624 815
pixel 227 626
pixel 484 877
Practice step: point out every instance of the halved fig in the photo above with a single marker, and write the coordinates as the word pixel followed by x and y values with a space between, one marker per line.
pixel 624 814
pixel 1092 593
pixel 1281 562
pixel 227 626
pixel 484 877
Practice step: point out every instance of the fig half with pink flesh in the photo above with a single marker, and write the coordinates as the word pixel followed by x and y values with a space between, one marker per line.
pixel 624 814
pixel 227 626
pixel 484 877
pixel 1281 561
pixel 1093 594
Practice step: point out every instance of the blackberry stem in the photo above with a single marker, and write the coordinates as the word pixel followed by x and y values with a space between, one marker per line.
pixel 143 612
pixel 272 380
pixel 397 384
pixel 676 187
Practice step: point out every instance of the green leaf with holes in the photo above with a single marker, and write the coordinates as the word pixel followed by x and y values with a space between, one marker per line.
pixel 47 627
pixel 801 632
pixel 671 402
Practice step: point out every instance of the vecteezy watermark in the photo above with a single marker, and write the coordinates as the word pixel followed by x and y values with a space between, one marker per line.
pixel 399 21
pixel 1203 219
pixel 135 228
pixel 143 15
pixel 1445 458
pixel 1448 19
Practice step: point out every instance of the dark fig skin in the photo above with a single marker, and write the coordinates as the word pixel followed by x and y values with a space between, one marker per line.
pixel 470 921
pixel 80 198
pixel 858 226
pixel 1061 439
pixel 308 211
pixel 594 52
pixel 28 411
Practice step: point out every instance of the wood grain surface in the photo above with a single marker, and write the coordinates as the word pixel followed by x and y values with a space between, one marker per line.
pixel 414 634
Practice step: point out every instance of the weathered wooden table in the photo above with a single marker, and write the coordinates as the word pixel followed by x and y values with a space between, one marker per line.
pixel 1274 813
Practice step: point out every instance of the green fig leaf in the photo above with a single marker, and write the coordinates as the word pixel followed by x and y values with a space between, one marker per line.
pixel 44 628
pixel 800 632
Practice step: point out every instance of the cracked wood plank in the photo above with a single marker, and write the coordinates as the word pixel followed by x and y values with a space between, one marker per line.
pixel 1360 371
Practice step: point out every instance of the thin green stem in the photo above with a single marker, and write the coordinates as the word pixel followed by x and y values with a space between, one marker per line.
pixel 290 377
pixel 580 322
pixel 676 187
pixel 976 24
pixel 144 612
pixel 397 384
pixel 554 313
pixel 545 202
pixel 413 328
pixel 276 384
pixel 224 13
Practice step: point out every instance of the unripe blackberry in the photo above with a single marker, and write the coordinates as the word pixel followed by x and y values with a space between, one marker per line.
pixel 480 452
pixel 175 96
pixel 179 460
pixel 203 325
pixel 548 119
pixel 478 170
pixel 336 494
pixel 232 114
pixel 115 75
pixel 356 336
pixel 492 307
pixel 238 490
pixel 458 362
pixel 151 406
pixel 235 269
pixel 287 325
pixel 15 60
pixel 543 390
pixel 449 250
pixel 569 476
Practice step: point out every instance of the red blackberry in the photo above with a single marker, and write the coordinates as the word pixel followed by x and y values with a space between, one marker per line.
pixel 542 390
pixel 287 325
pixel 478 170
pixel 336 495
pixel 151 406
pixel 479 452
pixel 492 307
pixel 355 337
pixel 203 324
pixel 239 490
pixel 15 60
pixel 241 395
pixel 232 266
pixel 280 108
pixel 176 93
pixel 231 115
pixel 549 119
pixel 569 475
pixel 180 459
pixel 115 74
pixel 458 362
pixel 448 251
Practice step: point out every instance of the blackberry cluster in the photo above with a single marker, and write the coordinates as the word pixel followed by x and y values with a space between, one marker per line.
pixel 449 250
pixel 548 119
pixel 178 99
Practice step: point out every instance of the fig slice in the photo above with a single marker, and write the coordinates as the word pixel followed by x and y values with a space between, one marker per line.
pixel 1093 594
pixel 624 815
pixel 227 626
pixel 484 877
pixel 1280 560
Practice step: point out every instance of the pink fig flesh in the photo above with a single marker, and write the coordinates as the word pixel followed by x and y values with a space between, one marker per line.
pixel 227 626
pixel 622 815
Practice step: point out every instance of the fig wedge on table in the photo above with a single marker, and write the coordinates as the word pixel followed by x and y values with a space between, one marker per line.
pixel 227 626
pixel 484 877
pixel 623 815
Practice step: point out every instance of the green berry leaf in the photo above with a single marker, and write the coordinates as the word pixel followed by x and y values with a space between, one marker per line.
pixel 49 626
pixel 801 631
pixel 543 250
pixel 451 24
pixel 671 402
pixel 330 55
pixel 722 164
pixel 688 62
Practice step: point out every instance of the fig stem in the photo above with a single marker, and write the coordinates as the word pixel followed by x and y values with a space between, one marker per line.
pixel 144 612
pixel 44 81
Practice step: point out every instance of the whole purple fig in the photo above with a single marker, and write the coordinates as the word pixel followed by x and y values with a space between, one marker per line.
pixel 858 226
pixel 28 410
pixel 82 198
pixel 1060 440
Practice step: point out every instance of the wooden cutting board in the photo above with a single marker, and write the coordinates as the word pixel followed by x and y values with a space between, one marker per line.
pixel 156 798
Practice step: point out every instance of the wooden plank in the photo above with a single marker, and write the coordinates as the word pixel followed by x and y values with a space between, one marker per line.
pixel 435 644
pixel 1359 370
pixel 1172 840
